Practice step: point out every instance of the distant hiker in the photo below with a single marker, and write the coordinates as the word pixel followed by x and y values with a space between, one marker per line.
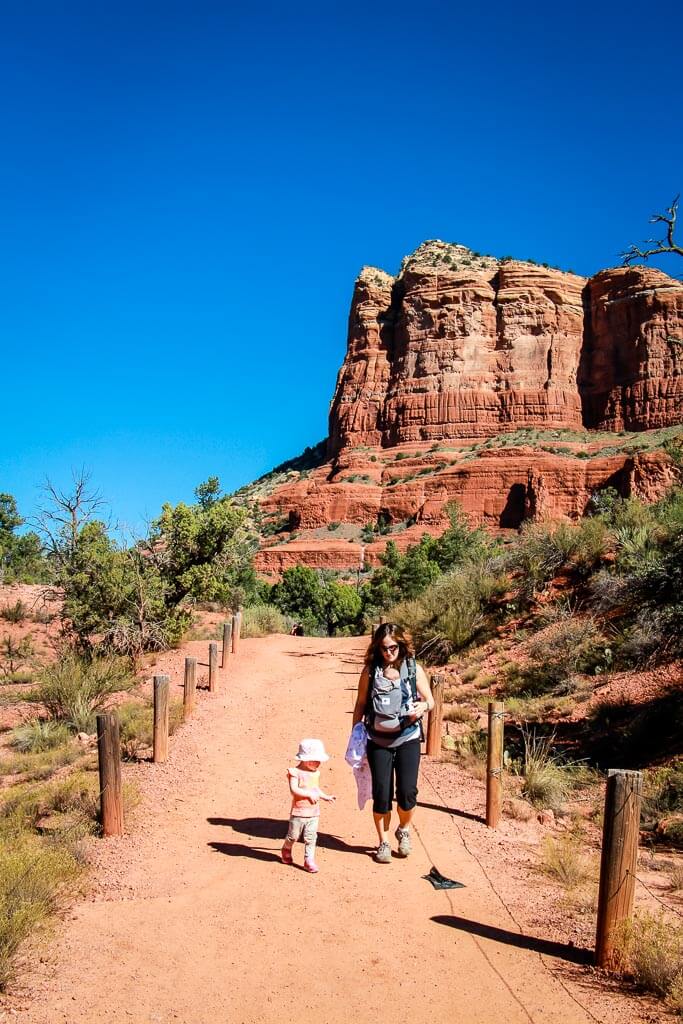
pixel 387 701
pixel 297 630
pixel 304 785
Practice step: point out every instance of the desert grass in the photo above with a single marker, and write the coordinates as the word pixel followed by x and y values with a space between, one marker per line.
pixel 457 713
pixel 136 726
pixel 74 690
pixel 34 875
pixel 676 878
pixel 549 781
pixel 36 736
pixel 563 860
pixel 40 765
pixel 651 951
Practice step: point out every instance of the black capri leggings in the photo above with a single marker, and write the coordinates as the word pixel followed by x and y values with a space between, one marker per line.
pixel 404 761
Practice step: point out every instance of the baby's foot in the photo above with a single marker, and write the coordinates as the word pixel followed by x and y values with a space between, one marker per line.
pixel 310 865
pixel 286 855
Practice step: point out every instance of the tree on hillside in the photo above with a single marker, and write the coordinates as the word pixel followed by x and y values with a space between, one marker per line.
pixel 656 247
pixel 22 558
pixel 204 552
pixel 404 576
pixel 315 600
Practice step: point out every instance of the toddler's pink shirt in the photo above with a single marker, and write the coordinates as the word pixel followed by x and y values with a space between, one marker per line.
pixel 306 780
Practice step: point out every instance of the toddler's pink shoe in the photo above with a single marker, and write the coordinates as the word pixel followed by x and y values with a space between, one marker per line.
pixel 286 856
pixel 310 865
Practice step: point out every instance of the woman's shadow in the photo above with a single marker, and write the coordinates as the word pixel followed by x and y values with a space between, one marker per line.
pixel 274 829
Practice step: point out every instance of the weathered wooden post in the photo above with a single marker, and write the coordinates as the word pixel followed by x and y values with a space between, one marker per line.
pixel 236 631
pixel 213 666
pixel 227 643
pixel 435 718
pixel 494 763
pixel 160 740
pixel 190 686
pixel 109 763
pixel 619 859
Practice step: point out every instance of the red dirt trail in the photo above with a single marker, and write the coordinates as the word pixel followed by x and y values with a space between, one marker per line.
pixel 193 918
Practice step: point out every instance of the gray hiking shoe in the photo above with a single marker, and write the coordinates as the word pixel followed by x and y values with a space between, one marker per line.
pixel 383 854
pixel 404 847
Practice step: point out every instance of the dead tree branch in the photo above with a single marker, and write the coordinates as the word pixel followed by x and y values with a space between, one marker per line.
pixel 659 246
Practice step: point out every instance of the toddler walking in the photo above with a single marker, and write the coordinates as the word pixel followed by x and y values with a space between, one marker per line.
pixel 304 785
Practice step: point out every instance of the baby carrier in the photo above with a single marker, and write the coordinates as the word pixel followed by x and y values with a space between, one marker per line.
pixel 390 701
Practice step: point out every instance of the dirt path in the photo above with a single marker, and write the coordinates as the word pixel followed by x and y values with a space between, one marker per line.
pixel 194 919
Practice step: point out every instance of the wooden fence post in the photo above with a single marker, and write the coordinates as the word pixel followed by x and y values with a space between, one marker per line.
pixel 160 741
pixel 213 666
pixel 236 631
pixel 190 686
pixel 109 762
pixel 435 718
pixel 494 763
pixel 619 859
pixel 227 643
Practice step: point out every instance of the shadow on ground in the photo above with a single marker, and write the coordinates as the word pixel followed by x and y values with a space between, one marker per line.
pixel 275 829
pixel 561 950
pixel 453 810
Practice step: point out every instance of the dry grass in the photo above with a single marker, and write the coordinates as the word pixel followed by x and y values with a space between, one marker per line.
pixel 136 726
pixel 563 861
pixel 41 765
pixel 651 950
pixel 74 690
pixel 520 810
pixel 457 713
pixel 33 876
pixel 676 878
pixel 548 780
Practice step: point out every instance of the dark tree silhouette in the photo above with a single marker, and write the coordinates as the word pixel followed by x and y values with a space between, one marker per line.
pixel 658 246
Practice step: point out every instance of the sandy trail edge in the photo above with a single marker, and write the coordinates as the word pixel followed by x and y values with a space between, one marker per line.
pixel 194 918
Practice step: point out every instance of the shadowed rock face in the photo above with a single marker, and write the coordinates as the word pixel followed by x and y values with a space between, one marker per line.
pixel 631 372
pixel 469 352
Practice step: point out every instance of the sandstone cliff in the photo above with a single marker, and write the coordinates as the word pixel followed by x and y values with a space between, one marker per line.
pixel 457 353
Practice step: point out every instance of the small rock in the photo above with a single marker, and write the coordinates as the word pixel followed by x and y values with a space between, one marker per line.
pixel 546 818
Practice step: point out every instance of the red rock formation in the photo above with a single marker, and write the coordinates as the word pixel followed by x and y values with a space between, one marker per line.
pixel 631 375
pixel 464 348
pixel 498 489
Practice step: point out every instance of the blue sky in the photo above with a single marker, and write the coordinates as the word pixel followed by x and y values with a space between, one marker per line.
pixel 189 190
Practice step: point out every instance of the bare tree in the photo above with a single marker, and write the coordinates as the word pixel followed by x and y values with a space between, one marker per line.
pixel 659 246
pixel 65 512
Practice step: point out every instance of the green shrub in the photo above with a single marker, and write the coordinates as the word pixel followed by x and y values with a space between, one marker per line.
pixel 450 612
pixel 333 526
pixel 544 548
pixel 264 619
pixel 74 690
pixel 556 654
pixel 37 736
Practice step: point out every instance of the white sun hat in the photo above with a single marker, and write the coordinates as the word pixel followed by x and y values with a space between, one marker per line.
pixel 312 750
